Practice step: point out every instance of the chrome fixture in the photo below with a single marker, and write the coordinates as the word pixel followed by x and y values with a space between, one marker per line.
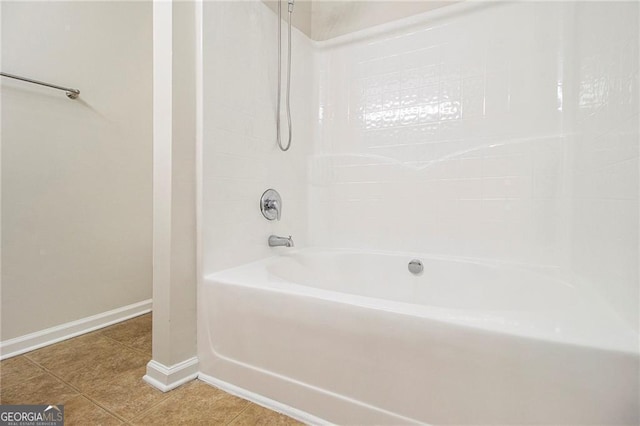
pixel 278 136
pixel 416 267
pixel 71 93
pixel 275 241
pixel 271 204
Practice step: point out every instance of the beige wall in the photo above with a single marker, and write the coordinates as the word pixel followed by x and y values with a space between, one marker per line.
pixel 76 175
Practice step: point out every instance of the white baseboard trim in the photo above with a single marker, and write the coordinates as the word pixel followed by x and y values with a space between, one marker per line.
pixel 38 339
pixel 301 416
pixel 167 378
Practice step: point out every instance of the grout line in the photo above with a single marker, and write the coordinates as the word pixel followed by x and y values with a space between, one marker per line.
pixel 241 411
pixel 57 377
pixel 171 395
pixel 24 379
pixel 103 330
pixel 111 413
pixel 77 389
pixel 32 362
pixel 162 401
pixel 107 409
pixel 83 394
pixel 128 347
pixel 117 416
pixel 143 413
pixel 80 391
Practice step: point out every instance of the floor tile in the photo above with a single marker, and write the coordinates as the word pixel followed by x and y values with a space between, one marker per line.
pixel 98 378
pixel 87 360
pixel 104 368
pixel 80 411
pixel 195 403
pixel 257 415
pixel 40 389
pixel 127 395
pixel 135 333
pixel 68 355
pixel 16 370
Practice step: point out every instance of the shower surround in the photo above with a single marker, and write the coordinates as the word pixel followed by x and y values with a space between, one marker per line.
pixel 496 134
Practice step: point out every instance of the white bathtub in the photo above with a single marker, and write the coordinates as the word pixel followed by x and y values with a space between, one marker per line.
pixel 354 338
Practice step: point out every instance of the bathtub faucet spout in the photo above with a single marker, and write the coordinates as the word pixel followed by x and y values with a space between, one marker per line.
pixel 275 241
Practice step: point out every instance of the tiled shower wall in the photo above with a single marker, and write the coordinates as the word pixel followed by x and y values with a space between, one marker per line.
pixel 447 137
pixel 605 152
pixel 503 131
pixel 241 159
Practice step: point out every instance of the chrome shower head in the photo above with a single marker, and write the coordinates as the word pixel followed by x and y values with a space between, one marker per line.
pixel 291 6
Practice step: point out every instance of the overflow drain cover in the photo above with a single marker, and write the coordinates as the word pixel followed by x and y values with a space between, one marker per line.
pixel 415 266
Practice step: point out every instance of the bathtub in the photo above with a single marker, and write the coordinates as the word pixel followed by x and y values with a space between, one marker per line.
pixel 352 337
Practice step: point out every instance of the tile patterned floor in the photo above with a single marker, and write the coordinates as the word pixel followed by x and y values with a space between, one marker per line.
pixel 98 378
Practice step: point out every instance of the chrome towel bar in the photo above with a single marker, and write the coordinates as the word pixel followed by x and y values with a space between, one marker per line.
pixel 71 93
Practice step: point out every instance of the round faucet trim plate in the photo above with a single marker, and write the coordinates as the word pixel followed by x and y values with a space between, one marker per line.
pixel 271 204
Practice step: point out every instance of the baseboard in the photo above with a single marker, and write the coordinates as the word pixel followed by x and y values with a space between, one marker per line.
pixel 167 378
pixel 39 339
pixel 294 413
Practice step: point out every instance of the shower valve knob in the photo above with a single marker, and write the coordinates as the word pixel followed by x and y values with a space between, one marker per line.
pixel 271 204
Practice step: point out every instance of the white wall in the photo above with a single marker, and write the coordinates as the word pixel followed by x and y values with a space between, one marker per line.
pixel 76 175
pixel 322 20
pixel 447 136
pixel 605 152
pixel 175 82
pixel 241 159
pixel 506 131
pixel 503 131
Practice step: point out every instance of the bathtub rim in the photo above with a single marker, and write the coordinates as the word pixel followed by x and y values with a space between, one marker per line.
pixel 479 319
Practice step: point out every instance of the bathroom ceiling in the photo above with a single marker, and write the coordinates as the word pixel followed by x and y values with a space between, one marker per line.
pixel 326 19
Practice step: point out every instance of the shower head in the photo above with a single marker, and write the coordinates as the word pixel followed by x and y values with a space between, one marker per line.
pixel 291 6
